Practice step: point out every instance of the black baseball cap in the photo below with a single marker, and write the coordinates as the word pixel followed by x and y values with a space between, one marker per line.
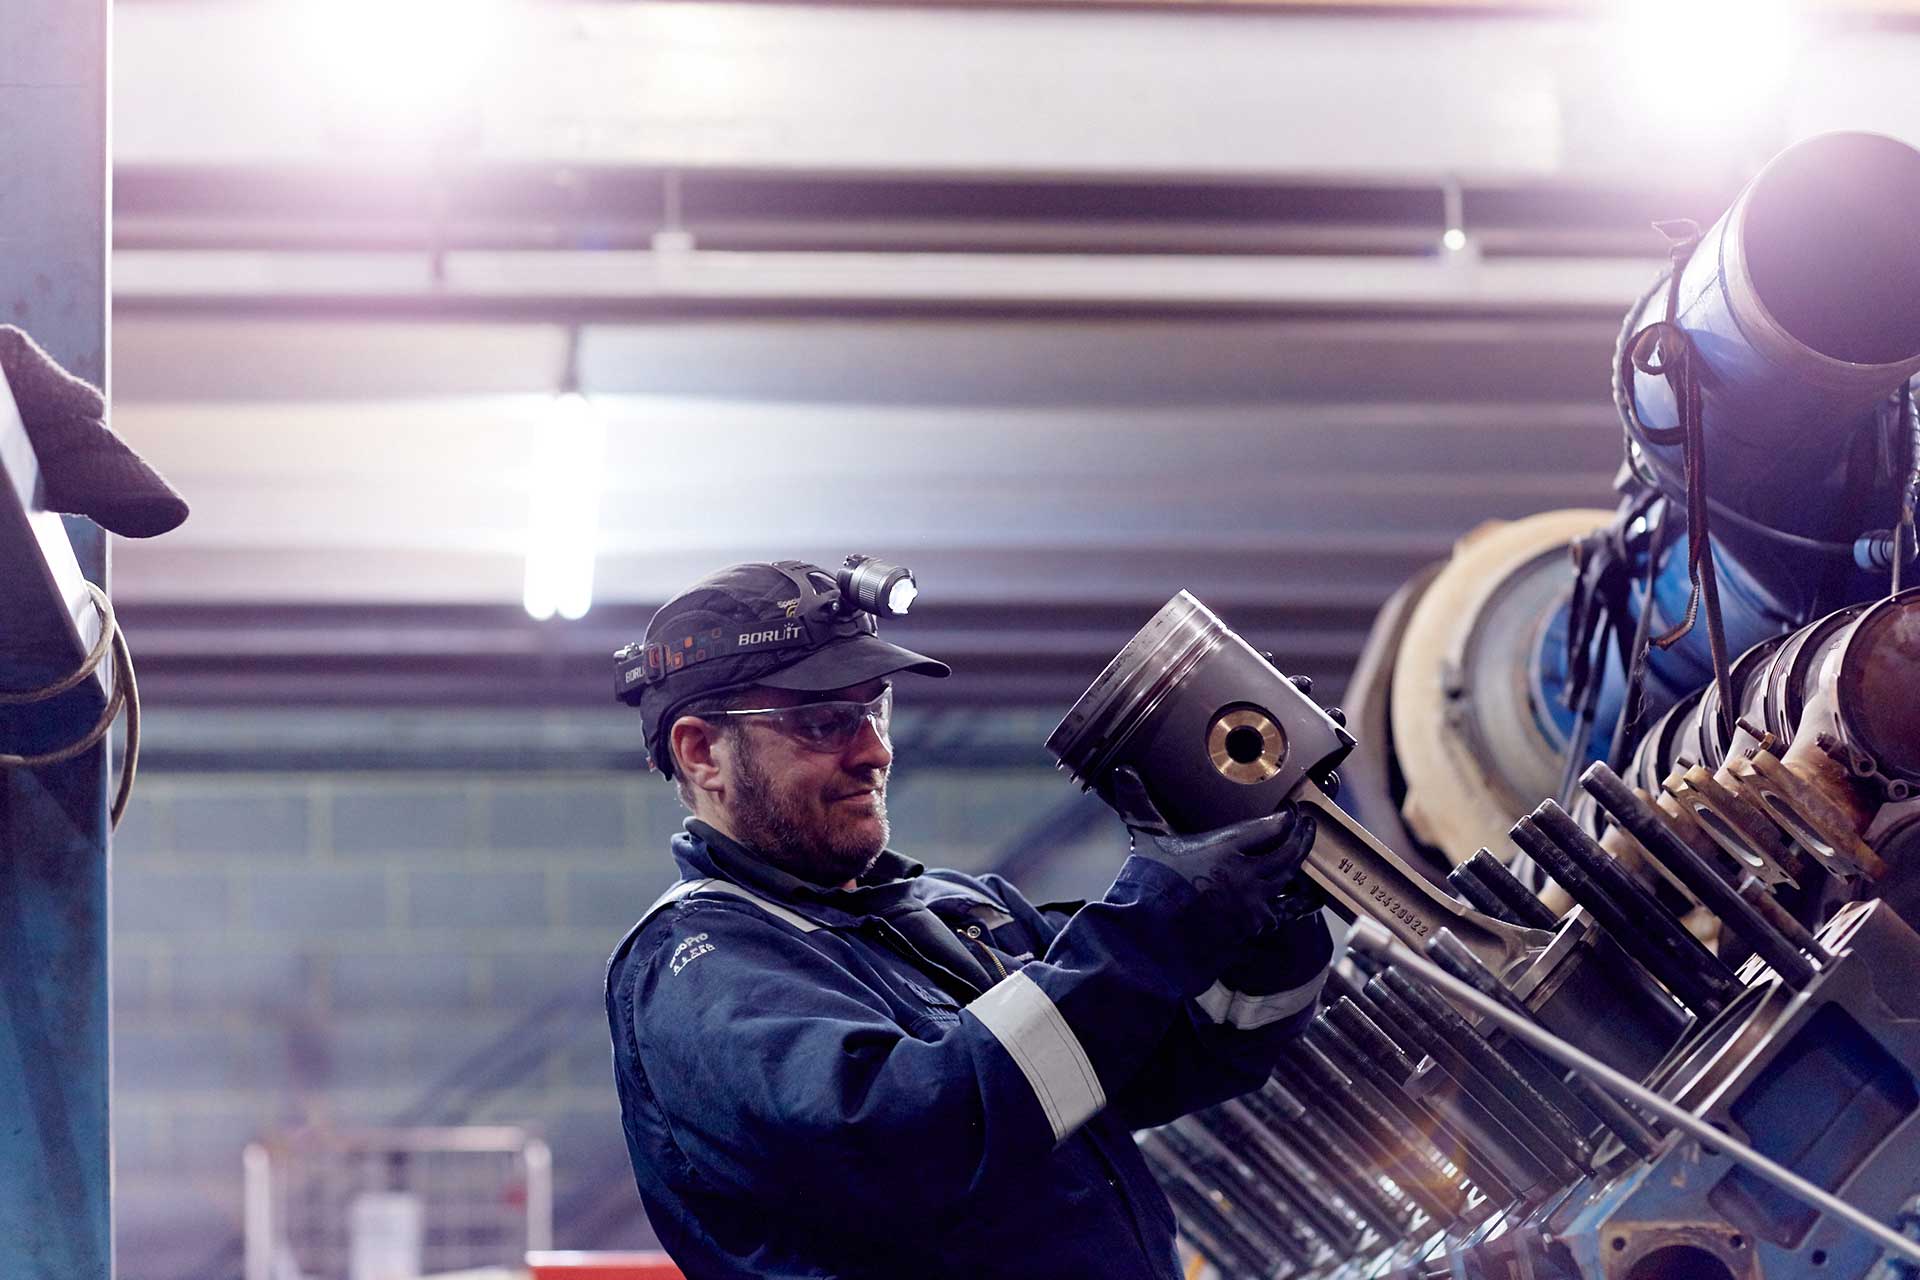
pixel 753 624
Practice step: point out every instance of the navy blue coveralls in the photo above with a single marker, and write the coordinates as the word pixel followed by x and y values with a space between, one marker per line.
pixel 925 1075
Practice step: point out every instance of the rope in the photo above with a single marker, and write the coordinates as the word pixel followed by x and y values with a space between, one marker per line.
pixel 1634 702
pixel 1664 349
pixel 126 693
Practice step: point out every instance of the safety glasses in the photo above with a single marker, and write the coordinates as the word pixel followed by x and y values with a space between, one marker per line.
pixel 824 726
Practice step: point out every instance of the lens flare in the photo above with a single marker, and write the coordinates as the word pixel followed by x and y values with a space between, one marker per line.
pixel 1708 65
pixel 395 69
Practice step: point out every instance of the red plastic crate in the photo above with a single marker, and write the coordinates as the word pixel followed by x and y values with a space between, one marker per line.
pixel 571 1264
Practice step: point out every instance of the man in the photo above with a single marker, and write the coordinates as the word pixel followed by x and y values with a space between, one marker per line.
pixel 834 1063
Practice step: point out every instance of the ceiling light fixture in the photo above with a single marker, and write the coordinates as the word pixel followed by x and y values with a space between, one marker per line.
pixel 1453 204
pixel 567 479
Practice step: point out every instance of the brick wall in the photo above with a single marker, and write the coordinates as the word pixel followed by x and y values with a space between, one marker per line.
pixel 293 948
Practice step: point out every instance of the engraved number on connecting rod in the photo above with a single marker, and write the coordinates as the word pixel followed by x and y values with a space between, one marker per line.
pixel 1387 902
pixel 1363 876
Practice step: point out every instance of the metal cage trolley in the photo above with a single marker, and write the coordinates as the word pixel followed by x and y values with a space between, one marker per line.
pixel 327 1205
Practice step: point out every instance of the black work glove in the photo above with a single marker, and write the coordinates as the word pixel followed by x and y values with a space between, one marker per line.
pixel 88 470
pixel 1331 783
pixel 1239 871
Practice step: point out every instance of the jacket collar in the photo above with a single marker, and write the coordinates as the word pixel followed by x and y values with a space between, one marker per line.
pixel 890 884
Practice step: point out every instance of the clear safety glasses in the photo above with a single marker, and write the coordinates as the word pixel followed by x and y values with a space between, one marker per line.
pixel 825 726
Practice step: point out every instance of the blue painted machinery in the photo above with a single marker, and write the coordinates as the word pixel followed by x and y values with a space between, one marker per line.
pixel 1720 895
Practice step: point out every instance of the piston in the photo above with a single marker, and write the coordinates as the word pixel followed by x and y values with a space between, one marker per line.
pixel 1218 734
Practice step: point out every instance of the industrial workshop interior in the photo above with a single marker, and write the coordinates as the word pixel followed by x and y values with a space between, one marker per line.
pixel 1018 639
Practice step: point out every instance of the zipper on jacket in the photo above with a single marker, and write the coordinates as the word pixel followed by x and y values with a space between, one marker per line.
pixel 900 943
pixel 972 933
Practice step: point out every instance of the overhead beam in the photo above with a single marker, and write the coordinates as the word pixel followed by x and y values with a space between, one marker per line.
pixel 1870 8
pixel 1003 653
pixel 640 282
pixel 1572 8
pixel 557 205
pixel 1334 95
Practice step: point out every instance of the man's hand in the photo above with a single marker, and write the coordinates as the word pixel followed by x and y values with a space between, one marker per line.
pixel 1238 870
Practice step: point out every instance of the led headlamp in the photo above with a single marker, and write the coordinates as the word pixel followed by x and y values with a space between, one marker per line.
pixel 876 587
pixel 821 610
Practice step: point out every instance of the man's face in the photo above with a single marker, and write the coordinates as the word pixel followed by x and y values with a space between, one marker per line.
pixel 817 814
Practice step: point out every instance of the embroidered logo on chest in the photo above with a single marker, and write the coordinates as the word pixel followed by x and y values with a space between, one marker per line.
pixel 688 951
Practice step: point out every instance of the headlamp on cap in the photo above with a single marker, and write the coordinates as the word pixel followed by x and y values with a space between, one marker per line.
pixel 822 610
pixel 876 587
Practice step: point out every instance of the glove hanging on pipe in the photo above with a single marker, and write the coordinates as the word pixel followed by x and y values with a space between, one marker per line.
pixel 88 470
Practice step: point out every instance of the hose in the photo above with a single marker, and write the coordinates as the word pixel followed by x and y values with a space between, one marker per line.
pixel 126 693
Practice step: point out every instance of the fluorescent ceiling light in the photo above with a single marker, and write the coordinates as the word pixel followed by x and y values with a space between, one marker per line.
pixel 563 513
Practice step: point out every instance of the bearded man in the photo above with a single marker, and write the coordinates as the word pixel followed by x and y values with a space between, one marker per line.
pixel 833 1062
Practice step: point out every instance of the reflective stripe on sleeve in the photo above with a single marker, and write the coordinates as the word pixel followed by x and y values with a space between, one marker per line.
pixel 1250 1013
pixel 1045 1049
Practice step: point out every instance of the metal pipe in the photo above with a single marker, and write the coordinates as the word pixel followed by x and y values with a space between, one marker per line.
pixel 1643 822
pixel 1382 1018
pixel 1202 1227
pixel 1466 881
pixel 1801 300
pixel 1342 983
pixel 1540 1113
pixel 1393 1099
pixel 1424 1182
pixel 1279 1214
pixel 1457 1118
pixel 1185 1185
pixel 1691 987
pixel 1229 1184
pixel 1327 1155
pixel 1366 1034
pixel 1521 901
pixel 1672 936
pixel 1524 1135
pixel 1369 1155
pixel 1371 937
pixel 1445 950
pixel 1250 1142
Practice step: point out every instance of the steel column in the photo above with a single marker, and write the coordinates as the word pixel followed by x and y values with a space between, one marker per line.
pixel 55 1151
